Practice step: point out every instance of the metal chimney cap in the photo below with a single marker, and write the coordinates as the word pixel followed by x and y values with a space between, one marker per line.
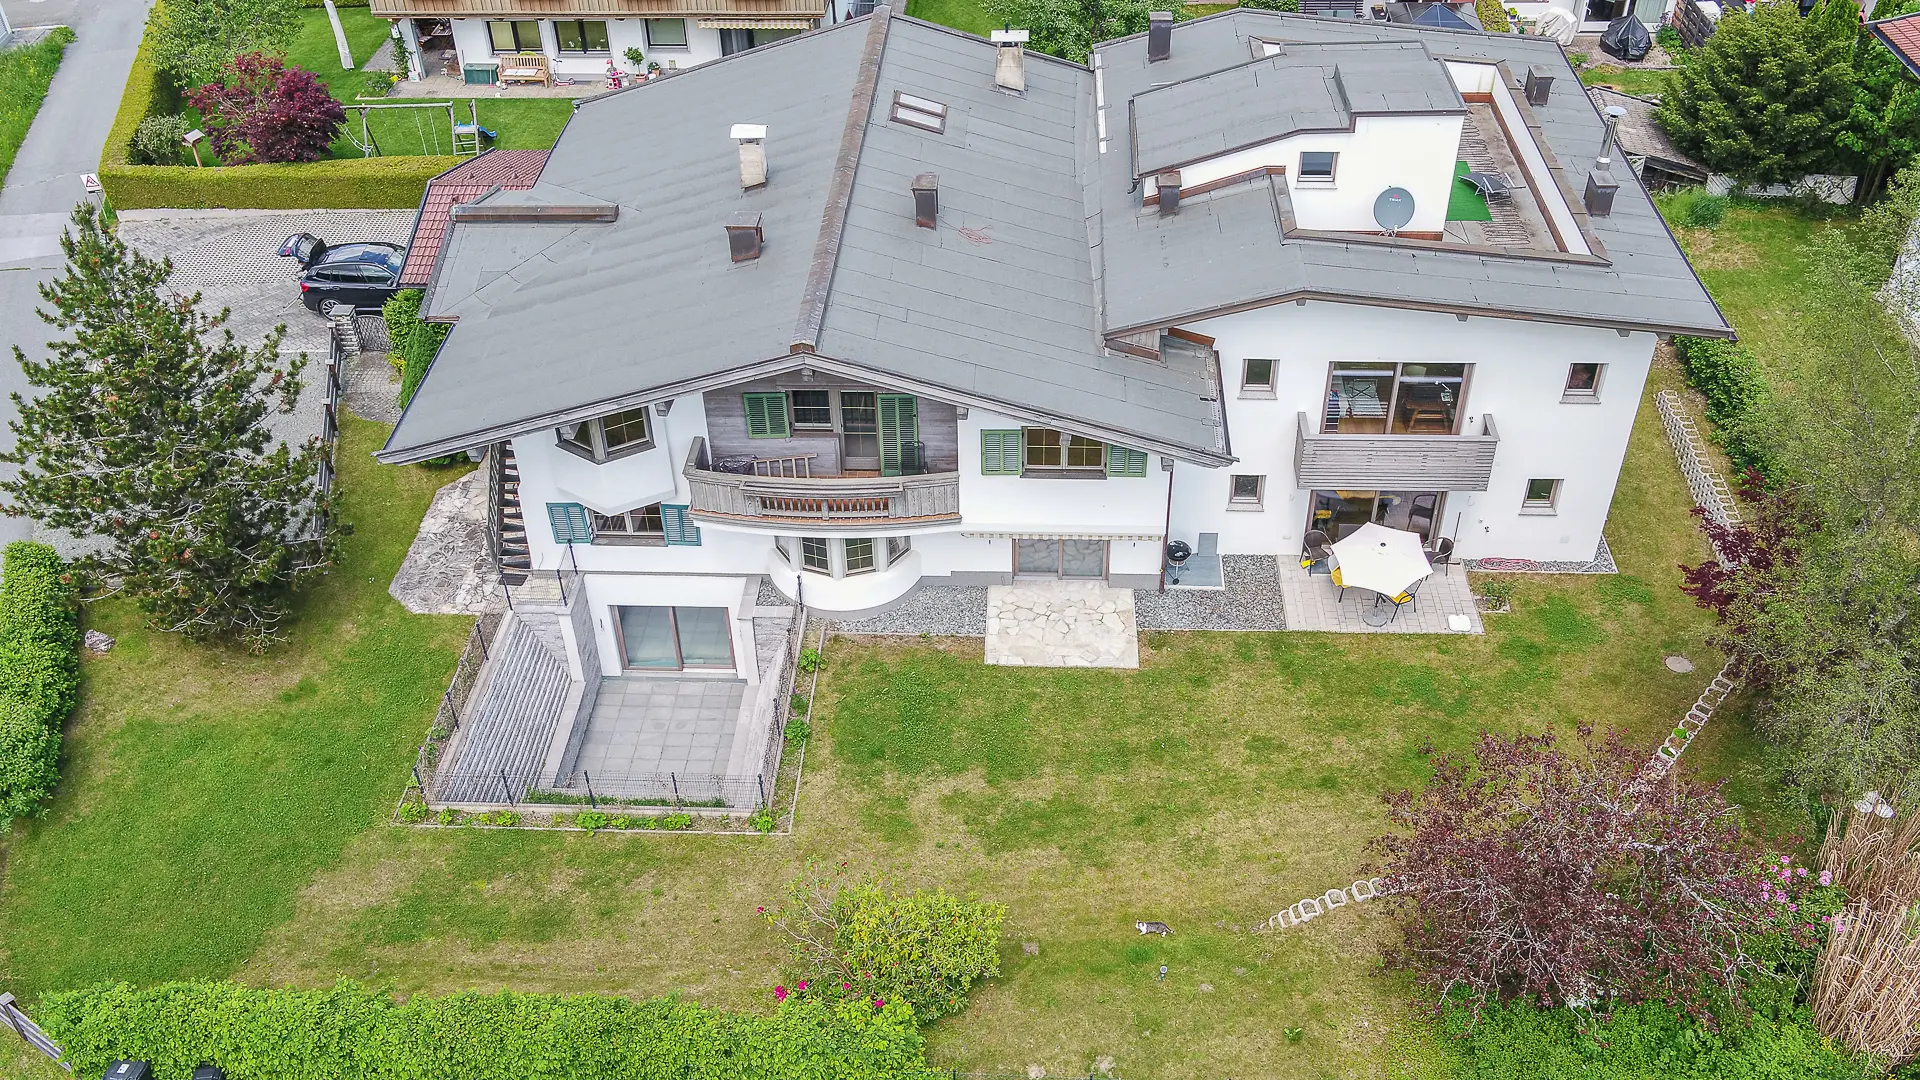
pixel 1159 16
pixel 1010 37
pixel 1616 113
pixel 748 132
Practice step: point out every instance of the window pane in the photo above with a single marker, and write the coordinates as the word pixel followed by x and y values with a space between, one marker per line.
pixel 668 32
pixel 1316 165
pixel 1357 397
pixel 859 412
pixel 1036 556
pixel 596 35
pixel 576 435
pixel 1086 453
pixel 1429 398
pixel 625 428
pixel 897 548
pixel 704 638
pixel 1259 375
pixel 566 35
pixel 1541 492
pixel 813 554
pixel 811 408
pixel 1044 449
pixel 1583 378
pixel 502 35
pixel 1246 488
pixel 645 521
pixel 859 556
pixel 646 637
pixel 1083 558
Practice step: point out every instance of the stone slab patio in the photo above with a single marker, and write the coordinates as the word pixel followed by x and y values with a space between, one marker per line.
pixel 447 570
pixel 1061 624
pixel 1313 603
pixel 643 726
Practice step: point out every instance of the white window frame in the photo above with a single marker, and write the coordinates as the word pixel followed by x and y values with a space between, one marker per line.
pixel 884 554
pixel 1235 501
pixel 646 31
pixel 595 448
pixel 1316 179
pixel 1267 389
pixel 1571 396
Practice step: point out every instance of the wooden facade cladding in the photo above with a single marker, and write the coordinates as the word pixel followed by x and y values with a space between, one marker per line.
pixel 939 425
pixel 612 9
pixel 1395 462
pixel 819 504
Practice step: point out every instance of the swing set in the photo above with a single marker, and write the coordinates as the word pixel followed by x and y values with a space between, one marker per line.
pixel 463 138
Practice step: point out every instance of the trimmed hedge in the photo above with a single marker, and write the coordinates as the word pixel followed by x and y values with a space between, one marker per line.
pixel 1728 376
pixel 353 1031
pixel 336 3
pixel 148 93
pixel 414 341
pixel 39 673
pixel 339 183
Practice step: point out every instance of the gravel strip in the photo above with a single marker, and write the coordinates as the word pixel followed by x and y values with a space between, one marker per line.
pixel 1251 600
pixel 940 610
pixel 1601 563
pixel 770 596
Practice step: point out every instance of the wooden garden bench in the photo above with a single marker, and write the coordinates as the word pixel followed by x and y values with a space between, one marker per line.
pixel 525 67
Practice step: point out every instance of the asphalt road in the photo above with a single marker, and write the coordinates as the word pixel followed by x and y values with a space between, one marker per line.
pixel 44 183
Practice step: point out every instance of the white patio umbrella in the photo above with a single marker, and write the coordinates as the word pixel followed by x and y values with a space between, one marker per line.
pixel 1382 560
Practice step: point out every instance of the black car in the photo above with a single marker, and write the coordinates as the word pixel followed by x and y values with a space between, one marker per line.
pixel 344 276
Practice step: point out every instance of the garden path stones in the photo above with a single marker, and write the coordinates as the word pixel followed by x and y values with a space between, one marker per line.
pixel 1061 624
pixel 447 571
pixel 1679 665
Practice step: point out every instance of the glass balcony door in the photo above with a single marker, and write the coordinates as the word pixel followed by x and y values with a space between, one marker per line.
pixel 673 638
pixel 1394 399
pixel 1338 513
pixel 1083 559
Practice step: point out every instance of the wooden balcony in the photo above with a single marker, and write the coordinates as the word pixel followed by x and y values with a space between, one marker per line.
pixel 819 503
pixel 1395 462
pixel 602 9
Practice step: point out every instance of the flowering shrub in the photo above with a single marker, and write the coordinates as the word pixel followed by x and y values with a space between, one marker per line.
pixel 264 111
pixel 864 941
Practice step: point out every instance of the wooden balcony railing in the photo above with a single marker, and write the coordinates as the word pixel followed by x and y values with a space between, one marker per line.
pixel 1396 462
pixel 829 503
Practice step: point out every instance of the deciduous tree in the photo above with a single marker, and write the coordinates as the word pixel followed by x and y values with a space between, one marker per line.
pixel 194 40
pixel 147 432
pixel 1530 869
pixel 265 111
pixel 1069 29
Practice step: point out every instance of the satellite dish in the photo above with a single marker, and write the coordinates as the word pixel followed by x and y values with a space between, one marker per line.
pixel 1393 209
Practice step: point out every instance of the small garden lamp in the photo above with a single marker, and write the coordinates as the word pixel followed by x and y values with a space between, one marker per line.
pixel 192 139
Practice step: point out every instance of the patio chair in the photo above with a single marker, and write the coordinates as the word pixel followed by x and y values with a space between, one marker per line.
pixel 1315 551
pixel 1405 599
pixel 1490 185
pixel 1420 513
pixel 1440 554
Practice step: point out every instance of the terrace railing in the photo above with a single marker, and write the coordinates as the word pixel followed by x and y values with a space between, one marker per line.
pixel 828 502
pixel 1396 462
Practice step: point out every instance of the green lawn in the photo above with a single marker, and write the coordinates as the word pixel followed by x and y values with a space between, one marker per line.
pixel 1640 82
pixel 25 75
pixel 222 814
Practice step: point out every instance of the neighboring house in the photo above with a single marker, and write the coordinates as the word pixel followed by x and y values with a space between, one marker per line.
pixel 884 307
pixel 494 170
pixel 467 38
pixel 1653 156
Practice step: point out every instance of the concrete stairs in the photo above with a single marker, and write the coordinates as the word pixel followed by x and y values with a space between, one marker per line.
pixel 515 555
pixel 510 728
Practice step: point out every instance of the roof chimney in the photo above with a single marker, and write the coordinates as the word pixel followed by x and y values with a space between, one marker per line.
pixel 1167 191
pixel 1611 139
pixel 1538 85
pixel 753 154
pixel 1601 186
pixel 1159 35
pixel 926 200
pixel 743 235
pixel 1009 61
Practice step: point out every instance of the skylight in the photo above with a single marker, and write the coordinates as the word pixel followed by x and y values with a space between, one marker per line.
pixel 919 112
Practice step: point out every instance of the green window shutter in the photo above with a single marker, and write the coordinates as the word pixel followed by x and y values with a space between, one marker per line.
pixel 570 524
pixel 766 416
pixel 1124 462
pixel 899 431
pixel 1000 453
pixel 678 526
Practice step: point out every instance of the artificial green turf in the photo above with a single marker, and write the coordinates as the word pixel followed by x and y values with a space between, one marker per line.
pixel 1463 202
pixel 203 786
pixel 25 75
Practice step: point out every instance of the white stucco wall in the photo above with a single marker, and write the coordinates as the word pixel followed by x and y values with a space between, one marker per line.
pixel 470 39
pixel 1518 375
pixel 1119 505
pixel 1412 152
pixel 607 591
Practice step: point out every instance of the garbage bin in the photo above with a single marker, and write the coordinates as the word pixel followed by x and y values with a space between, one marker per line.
pixel 209 1072
pixel 129 1070
pixel 482 74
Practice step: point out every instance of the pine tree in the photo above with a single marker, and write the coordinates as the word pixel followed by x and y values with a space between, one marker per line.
pixel 148 432
pixel 1766 98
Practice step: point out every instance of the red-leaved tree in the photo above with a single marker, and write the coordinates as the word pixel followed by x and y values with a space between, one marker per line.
pixel 1756 553
pixel 1529 869
pixel 265 111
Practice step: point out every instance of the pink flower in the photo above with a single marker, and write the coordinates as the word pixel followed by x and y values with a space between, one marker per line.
pixel 779 993
pixel 762 910
pixel 879 1003
pixel 802 986
pixel 846 986
pixel 1786 860
pixel 1826 877
pixel 1800 871
pixel 1793 907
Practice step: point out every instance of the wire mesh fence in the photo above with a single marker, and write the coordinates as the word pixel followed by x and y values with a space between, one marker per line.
pixel 453 702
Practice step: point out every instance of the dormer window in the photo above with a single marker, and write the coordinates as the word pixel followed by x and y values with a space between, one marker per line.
pixel 1317 166
pixel 607 437
pixel 923 113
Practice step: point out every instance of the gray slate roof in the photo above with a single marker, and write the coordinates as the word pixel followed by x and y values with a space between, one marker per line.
pixel 1306 88
pixel 1041 250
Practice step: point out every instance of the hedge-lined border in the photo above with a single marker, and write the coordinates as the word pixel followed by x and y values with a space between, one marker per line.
pixel 379 183
pixel 39 673
pixel 353 1030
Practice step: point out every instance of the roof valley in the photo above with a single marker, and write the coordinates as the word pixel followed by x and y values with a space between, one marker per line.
pixel 833 220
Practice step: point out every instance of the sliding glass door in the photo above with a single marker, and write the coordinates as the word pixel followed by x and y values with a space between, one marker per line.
pixel 672 638
pixel 1060 558
pixel 1338 513
pixel 1394 399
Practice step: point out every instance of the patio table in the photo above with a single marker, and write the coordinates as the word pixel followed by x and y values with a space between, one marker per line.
pixel 1371 614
